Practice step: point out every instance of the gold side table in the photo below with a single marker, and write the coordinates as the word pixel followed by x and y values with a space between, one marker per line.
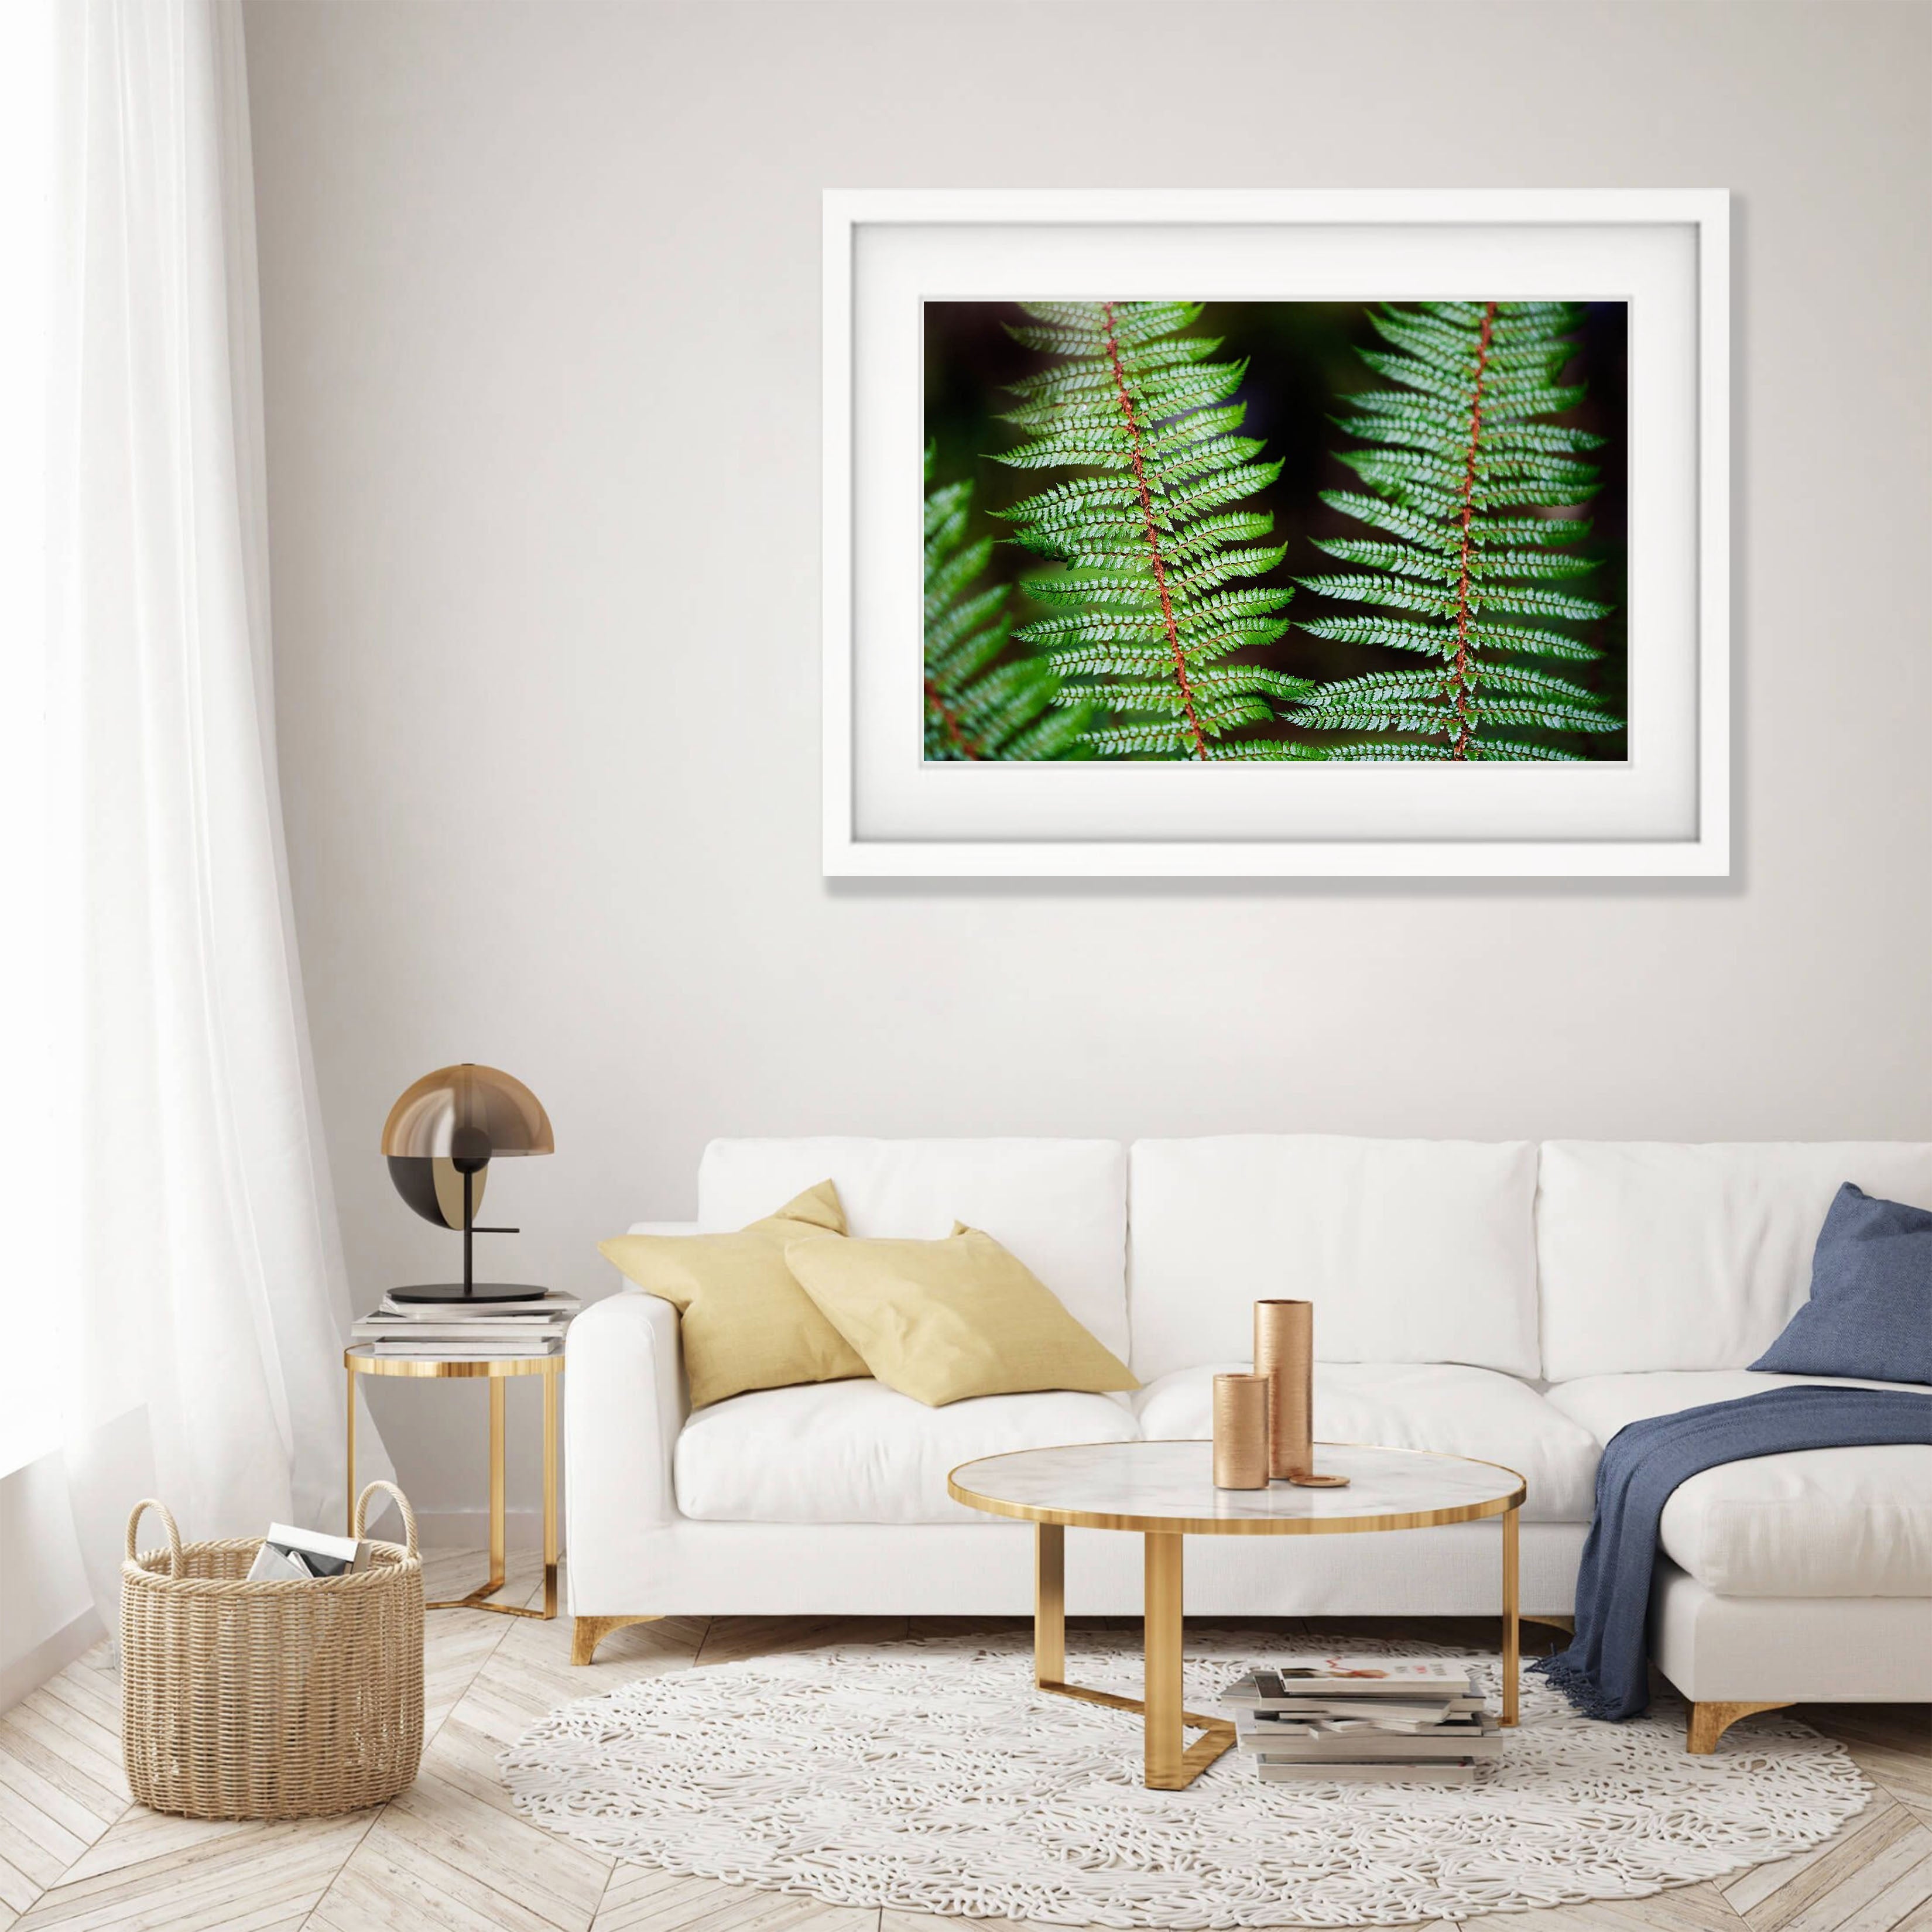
pixel 363 1360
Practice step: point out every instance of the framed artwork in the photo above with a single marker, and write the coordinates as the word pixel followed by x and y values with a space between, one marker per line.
pixel 1262 533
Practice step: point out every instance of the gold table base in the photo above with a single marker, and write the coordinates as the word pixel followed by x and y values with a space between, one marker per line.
pixel 1170 1763
pixel 361 1361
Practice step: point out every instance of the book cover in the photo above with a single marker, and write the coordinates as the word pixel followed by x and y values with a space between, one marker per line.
pixel 287 1553
pixel 1373 1747
pixel 468 1352
pixel 1388 1712
pixel 273 1564
pixel 1450 1771
pixel 560 1303
pixel 1398 1680
pixel 379 1329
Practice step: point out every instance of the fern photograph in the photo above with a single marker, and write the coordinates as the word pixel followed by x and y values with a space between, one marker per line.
pixel 1280 532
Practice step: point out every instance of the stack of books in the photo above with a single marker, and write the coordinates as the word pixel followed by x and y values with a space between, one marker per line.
pixel 471 1331
pixel 1408 1721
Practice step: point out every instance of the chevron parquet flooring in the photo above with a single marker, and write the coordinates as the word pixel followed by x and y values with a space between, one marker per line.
pixel 452 1852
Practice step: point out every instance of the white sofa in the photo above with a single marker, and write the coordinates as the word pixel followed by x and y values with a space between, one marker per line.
pixel 1504 1300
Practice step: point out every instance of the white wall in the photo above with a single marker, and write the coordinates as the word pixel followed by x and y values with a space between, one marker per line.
pixel 540 286
pixel 46 1614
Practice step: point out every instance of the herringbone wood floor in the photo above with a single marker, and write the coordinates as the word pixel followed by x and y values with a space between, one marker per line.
pixel 451 1851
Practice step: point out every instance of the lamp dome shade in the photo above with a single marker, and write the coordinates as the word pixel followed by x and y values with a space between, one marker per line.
pixel 468 1115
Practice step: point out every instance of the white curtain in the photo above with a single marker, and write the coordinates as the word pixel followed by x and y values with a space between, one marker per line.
pixel 207 1288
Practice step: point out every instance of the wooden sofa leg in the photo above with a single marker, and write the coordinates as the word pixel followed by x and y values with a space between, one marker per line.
pixel 589 1632
pixel 1709 1722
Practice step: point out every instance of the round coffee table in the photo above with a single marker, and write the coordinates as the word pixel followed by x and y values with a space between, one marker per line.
pixel 1165 1490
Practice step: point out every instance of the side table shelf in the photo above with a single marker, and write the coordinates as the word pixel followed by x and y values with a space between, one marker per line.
pixel 362 1360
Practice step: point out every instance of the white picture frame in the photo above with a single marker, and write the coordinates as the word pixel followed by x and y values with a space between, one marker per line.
pixel 889 813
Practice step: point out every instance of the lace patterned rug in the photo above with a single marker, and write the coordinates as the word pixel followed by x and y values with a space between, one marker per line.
pixel 931 1776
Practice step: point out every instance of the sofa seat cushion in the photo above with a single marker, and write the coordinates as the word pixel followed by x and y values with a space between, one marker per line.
pixel 1812 1522
pixel 1458 1412
pixel 860 1452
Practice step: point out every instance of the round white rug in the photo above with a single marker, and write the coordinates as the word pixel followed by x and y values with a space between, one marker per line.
pixel 931 1776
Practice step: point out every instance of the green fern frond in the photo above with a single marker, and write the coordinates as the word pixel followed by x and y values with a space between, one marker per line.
pixel 1141 741
pixel 1154 591
pixel 1501 752
pixel 977 706
pixel 1400 634
pixel 1466 483
pixel 1259 751
pixel 1378 751
pixel 1256 678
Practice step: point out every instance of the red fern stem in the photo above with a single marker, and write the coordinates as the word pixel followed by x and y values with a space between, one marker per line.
pixel 964 741
pixel 1463 728
pixel 1134 440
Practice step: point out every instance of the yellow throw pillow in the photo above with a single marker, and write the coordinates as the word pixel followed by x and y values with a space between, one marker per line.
pixel 744 1321
pixel 941 1321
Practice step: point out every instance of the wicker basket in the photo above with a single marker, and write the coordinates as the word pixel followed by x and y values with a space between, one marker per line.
pixel 269 1700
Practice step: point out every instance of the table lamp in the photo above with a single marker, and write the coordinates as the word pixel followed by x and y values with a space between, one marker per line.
pixel 439 1140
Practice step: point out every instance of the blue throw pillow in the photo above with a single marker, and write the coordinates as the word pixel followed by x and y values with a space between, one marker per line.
pixel 1871 1310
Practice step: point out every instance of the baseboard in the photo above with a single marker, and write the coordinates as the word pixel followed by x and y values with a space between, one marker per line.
pixel 470 1529
pixel 52 1655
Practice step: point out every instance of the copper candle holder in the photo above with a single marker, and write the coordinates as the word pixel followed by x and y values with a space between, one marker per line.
pixel 1285 1354
pixel 1241 1432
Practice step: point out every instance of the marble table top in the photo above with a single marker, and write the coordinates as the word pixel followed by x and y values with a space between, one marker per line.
pixel 1169 1486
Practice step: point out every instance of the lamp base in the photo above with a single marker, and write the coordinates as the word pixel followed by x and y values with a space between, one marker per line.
pixel 453 1292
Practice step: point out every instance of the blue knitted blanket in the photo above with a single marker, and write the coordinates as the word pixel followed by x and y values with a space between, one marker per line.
pixel 1603 1672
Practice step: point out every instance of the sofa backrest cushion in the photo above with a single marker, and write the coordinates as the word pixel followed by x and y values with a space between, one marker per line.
pixel 1060 1205
pixel 1657 1256
pixel 1412 1251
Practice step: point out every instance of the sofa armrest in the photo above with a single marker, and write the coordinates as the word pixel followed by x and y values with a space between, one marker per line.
pixel 625 1406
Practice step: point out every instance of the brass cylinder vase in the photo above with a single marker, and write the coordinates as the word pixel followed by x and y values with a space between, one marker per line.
pixel 1241 1432
pixel 1285 1354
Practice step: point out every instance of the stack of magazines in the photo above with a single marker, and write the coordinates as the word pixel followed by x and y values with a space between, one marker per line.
pixel 289 1555
pixel 1418 1720
pixel 468 1331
